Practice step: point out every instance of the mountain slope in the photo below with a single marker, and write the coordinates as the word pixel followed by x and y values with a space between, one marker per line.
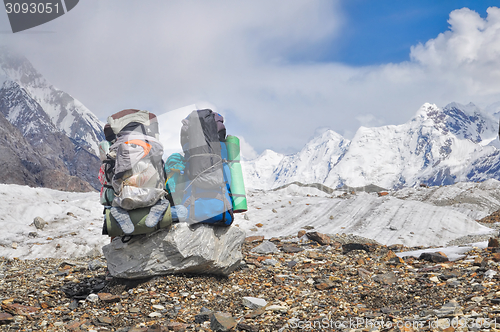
pixel 66 113
pixel 60 133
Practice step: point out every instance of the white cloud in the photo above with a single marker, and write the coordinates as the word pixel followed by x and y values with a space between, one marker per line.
pixel 161 55
pixel 467 56
pixel 369 120
pixel 247 152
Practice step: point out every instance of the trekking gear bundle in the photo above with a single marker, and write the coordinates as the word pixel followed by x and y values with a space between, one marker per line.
pixel 142 194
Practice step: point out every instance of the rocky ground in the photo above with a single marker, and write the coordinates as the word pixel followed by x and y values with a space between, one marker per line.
pixel 310 282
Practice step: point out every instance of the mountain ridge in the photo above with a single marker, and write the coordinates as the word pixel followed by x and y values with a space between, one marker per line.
pixel 435 147
pixel 59 133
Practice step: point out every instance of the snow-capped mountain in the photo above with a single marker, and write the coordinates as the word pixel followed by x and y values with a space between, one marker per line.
pixel 436 147
pixel 259 172
pixel 314 162
pixel 60 133
pixel 66 113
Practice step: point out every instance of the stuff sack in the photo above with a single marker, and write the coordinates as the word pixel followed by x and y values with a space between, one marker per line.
pixel 138 171
pixel 206 193
pixel 175 177
pixel 129 120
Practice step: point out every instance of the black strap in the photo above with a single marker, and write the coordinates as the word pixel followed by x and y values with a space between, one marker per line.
pixel 126 238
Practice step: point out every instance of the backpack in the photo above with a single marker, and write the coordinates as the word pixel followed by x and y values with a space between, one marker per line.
pixel 132 174
pixel 208 178
pixel 134 165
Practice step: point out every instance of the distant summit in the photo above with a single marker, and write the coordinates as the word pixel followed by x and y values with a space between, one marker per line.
pixel 436 147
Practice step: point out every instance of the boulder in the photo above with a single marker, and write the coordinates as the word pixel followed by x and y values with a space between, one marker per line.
pixel 182 248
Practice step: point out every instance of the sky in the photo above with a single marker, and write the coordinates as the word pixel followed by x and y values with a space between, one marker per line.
pixel 281 72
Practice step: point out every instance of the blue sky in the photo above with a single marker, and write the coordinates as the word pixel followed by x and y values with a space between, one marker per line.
pixel 280 71
pixel 378 32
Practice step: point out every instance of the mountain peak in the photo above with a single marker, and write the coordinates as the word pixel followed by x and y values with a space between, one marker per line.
pixel 469 109
pixel 426 111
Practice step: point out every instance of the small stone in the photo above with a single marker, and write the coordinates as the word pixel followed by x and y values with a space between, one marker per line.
pixel 325 284
pixel 14 245
pixel 435 279
pixel 18 309
pixel 265 247
pixel 276 307
pixel 245 216
pixel 39 223
pixel 388 256
pixel 490 274
pixel 478 261
pixel 364 274
pixel 73 305
pixel 246 327
pixel 346 248
pixel 176 326
pixel 253 302
pixel 255 313
pixel 203 316
pixel 259 225
pixel 105 320
pixel 271 262
pixel 320 238
pixel 158 307
pixel 96 264
pixel 6 318
pixel 291 249
pixel 33 234
pixel 73 325
pixel 436 257
pixel 92 298
pixel 109 298
pixel 388 278
pixel 291 264
pixel 382 193
pixel 301 233
pixel 134 310
pixel 274 211
pixel 252 239
pixel 396 260
pixel 155 314
pixel 449 309
pixel 315 255
pixel 493 243
pixel 222 321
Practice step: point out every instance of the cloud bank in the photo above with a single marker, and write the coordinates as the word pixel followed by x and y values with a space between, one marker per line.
pixel 256 62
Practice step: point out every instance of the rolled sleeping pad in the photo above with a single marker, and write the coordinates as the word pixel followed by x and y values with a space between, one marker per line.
pixel 138 217
pixel 238 194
